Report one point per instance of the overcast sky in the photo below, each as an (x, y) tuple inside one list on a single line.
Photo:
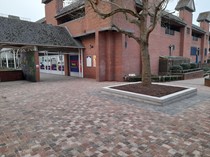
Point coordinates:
[(200, 5), (34, 9), (29, 9)]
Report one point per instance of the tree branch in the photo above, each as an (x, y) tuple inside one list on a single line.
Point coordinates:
[(118, 10), (129, 34), (157, 11)]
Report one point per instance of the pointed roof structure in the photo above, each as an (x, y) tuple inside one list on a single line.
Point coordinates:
[(205, 16), (46, 1), (186, 4), (138, 2), (18, 33)]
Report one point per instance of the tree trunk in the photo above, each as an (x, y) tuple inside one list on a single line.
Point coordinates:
[(144, 44), (146, 70)]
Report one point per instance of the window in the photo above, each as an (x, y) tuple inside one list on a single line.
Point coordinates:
[(169, 31), (193, 51), (188, 30), (195, 36), (72, 16), (205, 52)]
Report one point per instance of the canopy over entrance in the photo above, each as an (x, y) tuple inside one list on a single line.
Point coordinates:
[(34, 37), (16, 33)]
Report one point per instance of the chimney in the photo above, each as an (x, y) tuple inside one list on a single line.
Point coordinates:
[(204, 19), (52, 7)]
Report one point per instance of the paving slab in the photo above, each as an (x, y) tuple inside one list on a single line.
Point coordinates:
[(70, 117)]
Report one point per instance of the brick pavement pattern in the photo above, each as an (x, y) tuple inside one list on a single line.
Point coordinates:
[(68, 117)]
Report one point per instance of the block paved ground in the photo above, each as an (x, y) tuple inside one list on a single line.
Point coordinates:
[(65, 117)]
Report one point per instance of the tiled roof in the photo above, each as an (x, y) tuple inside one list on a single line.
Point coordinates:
[(138, 2), (187, 4), (74, 5), (172, 17), (205, 16), (166, 14), (198, 29), (18, 32), (46, 1), (42, 20)]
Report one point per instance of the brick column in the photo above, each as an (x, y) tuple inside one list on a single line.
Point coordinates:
[(66, 64), (204, 40), (36, 60), (30, 66), (100, 56), (110, 57), (186, 33)]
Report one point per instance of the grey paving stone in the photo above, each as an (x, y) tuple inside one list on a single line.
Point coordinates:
[(64, 116)]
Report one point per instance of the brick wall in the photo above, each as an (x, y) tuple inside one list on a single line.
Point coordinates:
[(131, 57), (207, 82), (186, 38), (116, 54), (157, 48), (76, 27), (89, 43), (11, 75), (94, 21), (50, 12), (193, 75)]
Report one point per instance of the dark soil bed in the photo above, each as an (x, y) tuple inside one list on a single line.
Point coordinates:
[(153, 90)]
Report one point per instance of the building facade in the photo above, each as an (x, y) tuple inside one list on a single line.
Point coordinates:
[(110, 55)]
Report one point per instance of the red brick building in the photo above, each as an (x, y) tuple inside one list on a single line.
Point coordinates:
[(110, 55)]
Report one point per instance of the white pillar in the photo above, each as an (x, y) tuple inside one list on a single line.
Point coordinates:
[(7, 60), (61, 57), (18, 59), (46, 67), (0, 60), (57, 59), (82, 58), (79, 63), (14, 57)]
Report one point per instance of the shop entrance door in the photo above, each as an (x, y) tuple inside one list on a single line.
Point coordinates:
[(74, 65)]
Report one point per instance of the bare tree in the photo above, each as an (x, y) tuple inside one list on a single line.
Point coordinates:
[(139, 18)]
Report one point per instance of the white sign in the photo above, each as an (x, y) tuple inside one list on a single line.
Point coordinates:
[(89, 61)]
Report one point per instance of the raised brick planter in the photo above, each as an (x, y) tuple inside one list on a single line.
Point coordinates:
[(13, 75), (193, 74), (164, 100), (207, 82)]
